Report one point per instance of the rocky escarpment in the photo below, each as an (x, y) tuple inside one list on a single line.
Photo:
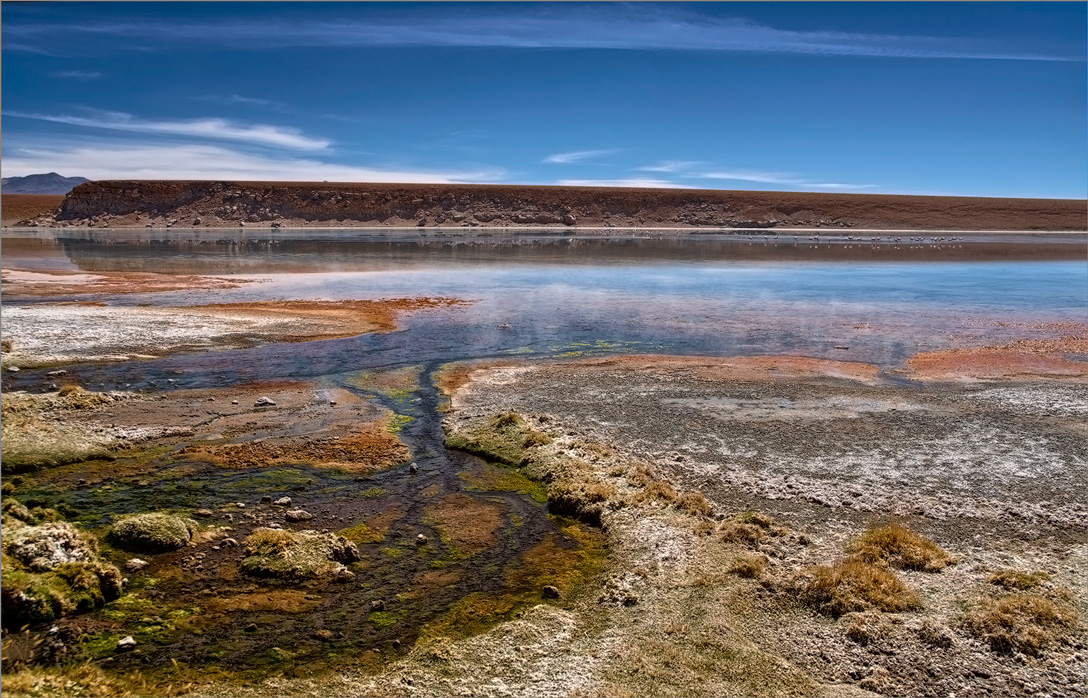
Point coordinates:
[(231, 204)]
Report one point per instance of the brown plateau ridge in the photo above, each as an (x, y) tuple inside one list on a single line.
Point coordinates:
[(216, 204)]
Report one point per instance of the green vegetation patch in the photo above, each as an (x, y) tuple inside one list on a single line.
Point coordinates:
[(503, 479), (504, 438), (152, 533), (35, 436), (49, 571)]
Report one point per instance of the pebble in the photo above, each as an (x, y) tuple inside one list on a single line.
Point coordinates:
[(421, 539), (324, 635), (283, 502), (550, 592), (126, 644), (298, 515), (266, 499), (234, 402), (413, 468), (205, 513), (229, 543), (13, 369), (377, 605), (264, 402), (136, 564)]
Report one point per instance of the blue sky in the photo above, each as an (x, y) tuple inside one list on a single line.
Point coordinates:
[(975, 99)]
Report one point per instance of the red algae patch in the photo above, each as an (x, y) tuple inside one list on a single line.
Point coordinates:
[(337, 318), (737, 368), (63, 283), (370, 448), (465, 523), (1024, 358)]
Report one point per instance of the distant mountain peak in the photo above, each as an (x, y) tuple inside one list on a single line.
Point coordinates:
[(50, 183)]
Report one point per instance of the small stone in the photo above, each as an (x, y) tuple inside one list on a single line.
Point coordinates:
[(58, 372), (550, 592), (264, 402), (251, 628), (234, 402), (324, 635), (421, 539), (240, 505), (298, 515), (377, 605), (204, 513), (136, 564), (228, 543), (283, 502), (345, 575), (266, 499), (413, 468), (211, 399), (13, 369), (126, 644), (396, 644)]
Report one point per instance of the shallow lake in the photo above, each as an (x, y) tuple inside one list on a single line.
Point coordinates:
[(553, 294)]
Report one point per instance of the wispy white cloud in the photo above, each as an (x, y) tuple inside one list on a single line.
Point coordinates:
[(671, 166), (776, 178), (213, 128), (636, 26), (156, 161), (77, 74), (629, 182), (577, 156), (248, 101)]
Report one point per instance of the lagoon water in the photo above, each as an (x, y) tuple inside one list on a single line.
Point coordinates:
[(550, 294)]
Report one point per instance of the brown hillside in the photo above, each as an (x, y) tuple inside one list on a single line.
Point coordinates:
[(230, 204), (20, 207)]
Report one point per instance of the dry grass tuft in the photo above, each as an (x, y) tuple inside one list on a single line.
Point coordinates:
[(899, 547), (851, 585), (82, 681), (694, 503), (745, 534), (296, 554), (1027, 623), (867, 628), (1015, 580), (748, 565)]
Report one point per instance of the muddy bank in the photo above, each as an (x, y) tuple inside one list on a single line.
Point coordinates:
[(708, 589), (136, 203), (47, 334)]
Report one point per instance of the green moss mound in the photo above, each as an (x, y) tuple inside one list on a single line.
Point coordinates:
[(49, 571), (151, 533), (504, 438)]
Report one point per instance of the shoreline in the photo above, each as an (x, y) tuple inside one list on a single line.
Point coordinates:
[(694, 230)]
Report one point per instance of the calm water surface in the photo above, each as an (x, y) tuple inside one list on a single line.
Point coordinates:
[(552, 294)]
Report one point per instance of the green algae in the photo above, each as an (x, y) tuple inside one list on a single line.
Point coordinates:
[(504, 438)]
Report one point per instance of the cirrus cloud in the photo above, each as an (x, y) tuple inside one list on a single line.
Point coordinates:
[(214, 128)]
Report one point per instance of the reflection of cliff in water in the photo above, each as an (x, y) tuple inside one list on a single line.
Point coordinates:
[(303, 251)]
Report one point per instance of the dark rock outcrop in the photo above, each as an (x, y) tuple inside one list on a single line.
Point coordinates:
[(274, 204)]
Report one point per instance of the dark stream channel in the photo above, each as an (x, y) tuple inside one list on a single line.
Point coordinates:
[(532, 296)]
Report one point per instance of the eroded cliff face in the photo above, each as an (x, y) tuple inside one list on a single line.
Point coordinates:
[(134, 203)]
